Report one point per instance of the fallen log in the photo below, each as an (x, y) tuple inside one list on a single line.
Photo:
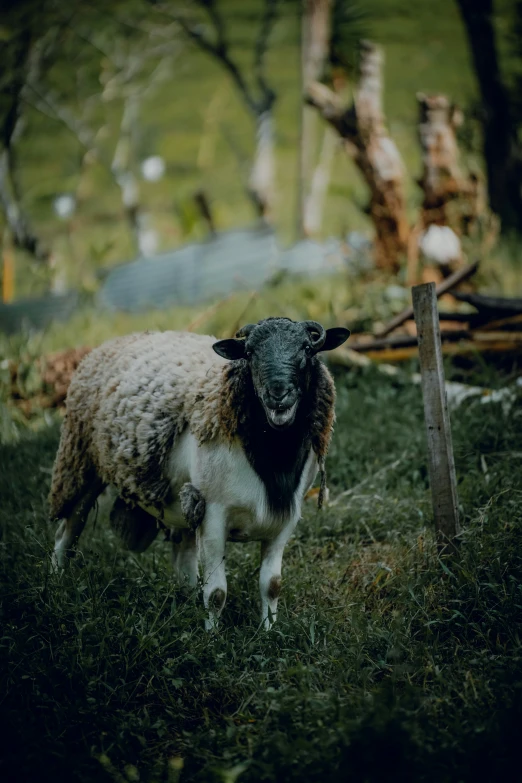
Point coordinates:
[(443, 287), (496, 305), (404, 341), (512, 322)]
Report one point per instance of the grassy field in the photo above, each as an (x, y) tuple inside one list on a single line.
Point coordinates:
[(386, 662)]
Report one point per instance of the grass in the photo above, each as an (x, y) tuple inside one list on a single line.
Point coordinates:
[(386, 661)]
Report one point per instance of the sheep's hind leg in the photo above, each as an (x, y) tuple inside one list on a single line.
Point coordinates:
[(184, 543), (70, 529)]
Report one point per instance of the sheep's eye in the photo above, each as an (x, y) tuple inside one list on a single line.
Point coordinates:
[(248, 355), (308, 350)]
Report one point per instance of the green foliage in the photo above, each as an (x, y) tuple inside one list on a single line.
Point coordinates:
[(351, 22), (386, 662)]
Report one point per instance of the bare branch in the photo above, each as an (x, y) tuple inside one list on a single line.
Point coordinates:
[(218, 49), (50, 104), (261, 48)]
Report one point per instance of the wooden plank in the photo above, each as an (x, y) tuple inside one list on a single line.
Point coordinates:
[(512, 320), (405, 341), (440, 449), (450, 282), (462, 348)]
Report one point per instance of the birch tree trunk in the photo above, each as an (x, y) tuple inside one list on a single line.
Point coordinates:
[(315, 34), (261, 182), (314, 204), (127, 181), (363, 130)]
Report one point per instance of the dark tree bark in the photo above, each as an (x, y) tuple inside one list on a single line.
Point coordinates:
[(501, 150)]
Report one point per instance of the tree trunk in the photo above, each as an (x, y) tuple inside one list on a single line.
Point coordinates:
[(144, 237), (23, 235), (501, 150), (314, 204), (380, 162), (315, 35), (442, 181), (362, 127), (261, 183)]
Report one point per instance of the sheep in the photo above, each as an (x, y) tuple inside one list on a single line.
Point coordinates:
[(217, 440)]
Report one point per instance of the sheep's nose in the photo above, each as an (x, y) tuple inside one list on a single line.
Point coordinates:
[(279, 393)]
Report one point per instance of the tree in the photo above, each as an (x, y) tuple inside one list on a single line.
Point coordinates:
[(362, 128), (120, 57), (258, 98), (315, 38), (502, 150), (31, 33)]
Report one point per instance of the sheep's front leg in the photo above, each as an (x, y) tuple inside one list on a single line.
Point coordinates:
[(270, 575), (212, 541)]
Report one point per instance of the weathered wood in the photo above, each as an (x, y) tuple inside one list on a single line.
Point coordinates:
[(406, 341), (440, 449), (467, 348), (442, 181), (366, 139), (446, 285), (497, 305), (512, 321)]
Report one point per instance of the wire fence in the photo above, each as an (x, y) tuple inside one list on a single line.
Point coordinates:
[(227, 262)]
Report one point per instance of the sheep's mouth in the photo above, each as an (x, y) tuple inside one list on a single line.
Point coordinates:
[(281, 418)]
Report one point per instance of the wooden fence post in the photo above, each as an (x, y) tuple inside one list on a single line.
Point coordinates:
[(440, 449)]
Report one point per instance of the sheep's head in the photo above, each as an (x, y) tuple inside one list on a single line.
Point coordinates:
[(280, 354)]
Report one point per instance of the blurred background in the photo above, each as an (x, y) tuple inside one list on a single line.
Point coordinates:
[(191, 165)]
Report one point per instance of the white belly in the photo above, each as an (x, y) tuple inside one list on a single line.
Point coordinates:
[(224, 475)]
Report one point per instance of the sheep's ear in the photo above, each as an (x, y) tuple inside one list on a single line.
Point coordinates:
[(334, 338), (230, 349)]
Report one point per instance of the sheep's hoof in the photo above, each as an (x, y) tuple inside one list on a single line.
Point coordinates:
[(192, 505)]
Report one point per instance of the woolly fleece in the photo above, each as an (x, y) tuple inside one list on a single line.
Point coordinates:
[(133, 396)]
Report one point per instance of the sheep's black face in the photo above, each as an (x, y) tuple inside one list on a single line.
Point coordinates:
[(279, 353)]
